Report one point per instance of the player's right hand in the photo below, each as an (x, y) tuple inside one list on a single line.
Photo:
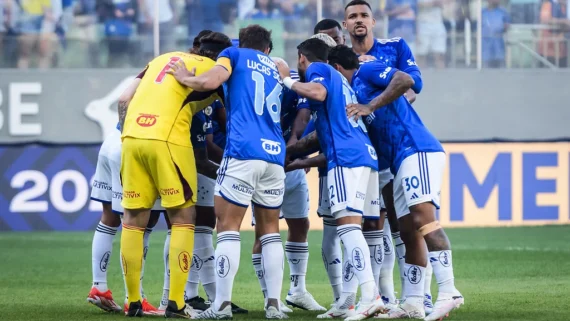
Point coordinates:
[(294, 165), (283, 68), (358, 110), (179, 71)]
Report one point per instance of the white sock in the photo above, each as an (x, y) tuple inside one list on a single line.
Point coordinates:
[(272, 257), (146, 242), (356, 247), (427, 280), (191, 288), (166, 284), (258, 267), (101, 250), (387, 271), (414, 282), (227, 263), (298, 258), (443, 270), (350, 283), (204, 249), (401, 255), (332, 256), (375, 241)]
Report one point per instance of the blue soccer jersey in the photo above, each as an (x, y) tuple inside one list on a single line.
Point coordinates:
[(396, 53), (219, 137), (344, 141), (253, 105), (395, 130), (291, 103), (200, 127)]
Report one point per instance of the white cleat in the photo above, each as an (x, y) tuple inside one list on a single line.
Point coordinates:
[(272, 313), (367, 310), (304, 301), (337, 313), (282, 307), (210, 314), (446, 302), (407, 309), (428, 305)]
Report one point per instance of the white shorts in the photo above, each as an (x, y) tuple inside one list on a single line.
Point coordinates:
[(107, 186), (418, 181), (324, 209), (243, 181), (206, 188), (354, 191), (431, 38), (296, 197)]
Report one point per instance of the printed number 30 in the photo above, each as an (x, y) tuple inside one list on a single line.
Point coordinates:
[(412, 182)]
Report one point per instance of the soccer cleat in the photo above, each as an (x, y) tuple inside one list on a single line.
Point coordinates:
[(282, 307), (337, 313), (428, 305), (446, 302), (272, 313), (210, 314), (407, 309), (186, 312), (149, 309), (103, 300), (367, 310), (304, 301), (135, 309), (198, 304), (238, 310)]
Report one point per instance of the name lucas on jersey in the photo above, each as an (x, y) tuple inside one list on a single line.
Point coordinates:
[(263, 68)]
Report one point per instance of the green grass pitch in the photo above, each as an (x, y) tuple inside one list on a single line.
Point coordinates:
[(504, 274)]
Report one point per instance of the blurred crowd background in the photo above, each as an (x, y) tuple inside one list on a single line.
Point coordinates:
[(442, 33)]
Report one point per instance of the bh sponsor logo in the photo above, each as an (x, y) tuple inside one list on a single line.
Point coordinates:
[(271, 147), (146, 120)]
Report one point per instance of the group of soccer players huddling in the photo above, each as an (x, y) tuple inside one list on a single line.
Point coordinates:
[(204, 134)]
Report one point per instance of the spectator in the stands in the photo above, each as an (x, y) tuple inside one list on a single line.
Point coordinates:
[(553, 44), (432, 36), (85, 30), (291, 12), (203, 14), (146, 15), (118, 17), (495, 25), (333, 10), (36, 25), (402, 20), (265, 9)]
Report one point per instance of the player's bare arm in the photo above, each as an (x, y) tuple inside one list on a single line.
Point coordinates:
[(303, 163), (399, 85), (309, 142), (215, 153), (312, 91), (205, 166), (208, 81), (125, 99), (299, 125)]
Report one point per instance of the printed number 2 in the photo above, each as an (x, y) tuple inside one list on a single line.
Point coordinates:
[(412, 182), (350, 98), (273, 100), (166, 67)]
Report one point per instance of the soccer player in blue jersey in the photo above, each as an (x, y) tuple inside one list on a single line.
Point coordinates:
[(352, 161), (417, 160), (395, 52), (252, 168)]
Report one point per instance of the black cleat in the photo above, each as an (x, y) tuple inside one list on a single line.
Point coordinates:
[(238, 310), (198, 304), (172, 311), (135, 309)]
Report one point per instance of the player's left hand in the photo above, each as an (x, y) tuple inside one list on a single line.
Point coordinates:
[(358, 110), (365, 58), (179, 71), (294, 165), (410, 95)]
